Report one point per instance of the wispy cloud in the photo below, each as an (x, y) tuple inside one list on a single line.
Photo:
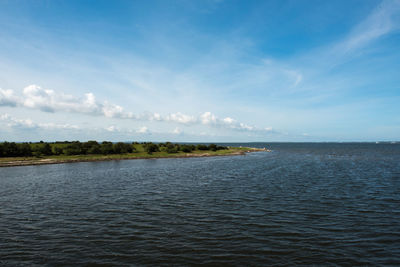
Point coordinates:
[(28, 123), (383, 20)]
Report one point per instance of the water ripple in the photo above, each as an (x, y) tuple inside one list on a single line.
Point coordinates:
[(302, 204)]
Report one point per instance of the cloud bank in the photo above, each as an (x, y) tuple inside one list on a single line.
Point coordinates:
[(29, 124), (35, 97)]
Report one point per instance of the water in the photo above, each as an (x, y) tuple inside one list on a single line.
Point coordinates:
[(304, 204)]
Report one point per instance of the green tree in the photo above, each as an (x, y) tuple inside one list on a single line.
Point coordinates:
[(172, 149), (57, 150), (106, 148), (122, 148), (24, 150), (10, 149), (212, 147), (74, 148), (46, 149), (96, 149), (150, 148), (88, 147), (186, 148), (202, 147)]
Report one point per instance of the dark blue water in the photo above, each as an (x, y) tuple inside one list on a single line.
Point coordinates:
[(304, 204)]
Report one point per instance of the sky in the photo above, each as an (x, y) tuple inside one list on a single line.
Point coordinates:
[(200, 71)]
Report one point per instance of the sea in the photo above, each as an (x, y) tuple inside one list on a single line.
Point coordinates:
[(302, 204)]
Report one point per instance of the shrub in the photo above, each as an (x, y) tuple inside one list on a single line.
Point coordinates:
[(24, 150), (212, 147), (172, 149), (202, 147), (122, 148), (94, 149), (46, 149), (186, 148), (57, 150)]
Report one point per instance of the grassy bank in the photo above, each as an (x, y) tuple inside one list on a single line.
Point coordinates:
[(140, 153)]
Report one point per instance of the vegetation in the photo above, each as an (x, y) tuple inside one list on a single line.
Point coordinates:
[(22, 154), (41, 149)]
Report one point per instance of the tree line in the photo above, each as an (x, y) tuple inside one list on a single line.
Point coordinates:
[(12, 149), (175, 148)]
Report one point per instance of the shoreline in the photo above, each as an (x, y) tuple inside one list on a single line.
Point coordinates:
[(31, 161)]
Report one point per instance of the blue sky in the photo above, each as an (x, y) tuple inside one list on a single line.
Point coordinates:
[(200, 70)]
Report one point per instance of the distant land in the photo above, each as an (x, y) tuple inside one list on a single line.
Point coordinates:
[(23, 154)]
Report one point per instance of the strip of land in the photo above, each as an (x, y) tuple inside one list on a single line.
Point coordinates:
[(57, 159)]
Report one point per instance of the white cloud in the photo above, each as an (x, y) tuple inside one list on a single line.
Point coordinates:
[(115, 111), (13, 122), (7, 98), (68, 131), (21, 123), (148, 116), (112, 128), (35, 97), (58, 126), (48, 100), (28, 123), (143, 130), (243, 126), (180, 118), (208, 118), (228, 120), (177, 130)]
